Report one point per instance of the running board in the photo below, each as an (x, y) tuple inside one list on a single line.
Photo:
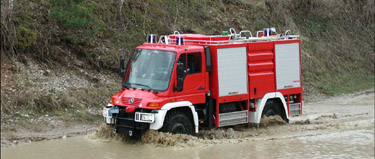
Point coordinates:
[(233, 118), (294, 109)]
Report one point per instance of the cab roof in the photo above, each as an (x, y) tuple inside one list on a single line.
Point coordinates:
[(169, 47)]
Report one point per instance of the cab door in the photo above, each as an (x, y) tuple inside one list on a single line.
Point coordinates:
[(194, 86)]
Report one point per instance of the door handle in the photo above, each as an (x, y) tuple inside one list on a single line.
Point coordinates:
[(201, 88), (255, 91)]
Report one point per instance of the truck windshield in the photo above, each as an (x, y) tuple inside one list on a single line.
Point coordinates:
[(150, 69)]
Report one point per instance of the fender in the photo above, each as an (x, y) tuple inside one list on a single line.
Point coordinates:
[(256, 116), (160, 114)]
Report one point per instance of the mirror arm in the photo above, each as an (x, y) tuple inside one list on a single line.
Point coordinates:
[(122, 64)]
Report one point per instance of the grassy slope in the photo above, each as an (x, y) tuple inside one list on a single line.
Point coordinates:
[(337, 39)]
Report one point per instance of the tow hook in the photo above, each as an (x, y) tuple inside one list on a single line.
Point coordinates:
[(130, 133)]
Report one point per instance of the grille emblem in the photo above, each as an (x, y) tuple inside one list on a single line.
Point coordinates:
[(131, 101)]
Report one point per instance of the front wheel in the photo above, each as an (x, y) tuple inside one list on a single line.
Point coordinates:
[(177, 123)]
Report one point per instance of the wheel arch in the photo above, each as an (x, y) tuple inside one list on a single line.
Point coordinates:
[(283, 107), (255, 117), (183, 106)]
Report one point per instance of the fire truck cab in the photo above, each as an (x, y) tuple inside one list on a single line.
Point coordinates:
[(184, 82)]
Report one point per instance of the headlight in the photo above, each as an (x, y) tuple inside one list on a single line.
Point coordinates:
[(105, 112), (147, 117), (144, 117)]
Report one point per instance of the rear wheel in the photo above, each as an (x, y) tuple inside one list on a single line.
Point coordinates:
[(273, 108), (177, 122)]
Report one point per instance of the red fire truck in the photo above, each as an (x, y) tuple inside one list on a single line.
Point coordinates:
[(185, 82)]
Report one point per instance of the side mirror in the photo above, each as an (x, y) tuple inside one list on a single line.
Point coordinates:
[(122, 66), (180, 76), (208, 59)]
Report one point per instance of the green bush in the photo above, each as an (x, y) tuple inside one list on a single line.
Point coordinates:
[(76, 16), (25, 37)]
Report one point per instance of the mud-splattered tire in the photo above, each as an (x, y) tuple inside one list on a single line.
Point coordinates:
[(177, 123), (273, 108)]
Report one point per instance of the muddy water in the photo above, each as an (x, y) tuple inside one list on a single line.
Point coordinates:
[(337, 128)]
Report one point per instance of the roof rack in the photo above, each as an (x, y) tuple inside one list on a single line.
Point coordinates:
[(244, 36)]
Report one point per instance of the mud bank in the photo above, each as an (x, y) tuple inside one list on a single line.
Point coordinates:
[(40, 132)]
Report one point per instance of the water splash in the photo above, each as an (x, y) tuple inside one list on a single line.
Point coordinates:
[(271, 120), (212, 136)]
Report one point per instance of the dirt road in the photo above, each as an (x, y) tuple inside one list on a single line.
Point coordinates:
[(340, 127)]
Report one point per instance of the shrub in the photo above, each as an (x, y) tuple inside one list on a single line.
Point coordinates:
[(76, 16)]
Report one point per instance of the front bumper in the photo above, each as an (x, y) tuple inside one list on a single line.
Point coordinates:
[(131, 124)]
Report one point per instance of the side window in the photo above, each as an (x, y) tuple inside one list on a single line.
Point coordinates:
[(194, 63), (182, 59)]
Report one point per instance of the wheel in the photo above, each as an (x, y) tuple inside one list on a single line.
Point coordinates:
[(273, 108), (177, 123)]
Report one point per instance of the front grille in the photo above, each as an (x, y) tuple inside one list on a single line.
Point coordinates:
[(125, 123), (125, 119), (136, 101)]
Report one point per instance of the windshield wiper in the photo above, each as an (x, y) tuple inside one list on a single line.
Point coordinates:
[(125, 85), (140, 85)]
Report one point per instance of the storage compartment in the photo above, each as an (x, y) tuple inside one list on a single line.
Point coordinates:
[(287, 66), (232, 71)]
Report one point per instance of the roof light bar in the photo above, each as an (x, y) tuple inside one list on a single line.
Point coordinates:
[(179, 40), (151, 38)]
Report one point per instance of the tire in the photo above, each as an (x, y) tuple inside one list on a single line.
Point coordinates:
[(177, 123), (273, 108)]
